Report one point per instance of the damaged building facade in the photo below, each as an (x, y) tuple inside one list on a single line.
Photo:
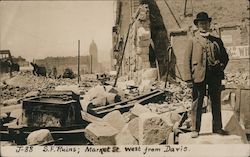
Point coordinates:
[(140, 107), (160, 28), (152, 34)]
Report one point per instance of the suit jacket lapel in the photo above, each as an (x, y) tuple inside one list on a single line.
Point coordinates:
[(201, 40)]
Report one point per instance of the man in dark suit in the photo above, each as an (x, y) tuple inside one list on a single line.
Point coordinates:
[(204, 64)]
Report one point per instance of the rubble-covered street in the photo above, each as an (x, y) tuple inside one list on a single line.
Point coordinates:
[(141, 77), (129, 114)]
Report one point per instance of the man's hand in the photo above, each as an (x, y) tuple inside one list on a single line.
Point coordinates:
[(189, 84)]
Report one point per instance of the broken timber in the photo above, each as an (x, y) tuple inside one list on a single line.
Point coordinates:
[(124, 106)]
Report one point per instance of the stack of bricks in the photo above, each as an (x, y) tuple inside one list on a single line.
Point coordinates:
[(143, 38), (137, 49)]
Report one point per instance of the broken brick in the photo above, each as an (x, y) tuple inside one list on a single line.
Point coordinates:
[(152, 129), (115, 119), (101, 133), (138, 109), (125, 137)]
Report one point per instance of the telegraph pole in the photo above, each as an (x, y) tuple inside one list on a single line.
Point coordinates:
[(91, 64), (78, 62)]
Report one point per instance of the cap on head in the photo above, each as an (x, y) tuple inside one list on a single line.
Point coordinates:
[(202, 16)]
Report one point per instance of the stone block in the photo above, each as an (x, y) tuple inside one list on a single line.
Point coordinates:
[(128, 116), (229, 123), (3, 115), (149, 74), (144, 24), (95, 92), (170, 118), (210, 139), (31, 94), (99, 101), (142, 50), (145, 86), (144, 57), (17, 113), (115, 119), (116, 91), (73, 88), (133, 127), (143, 16), (143, 43), (101, 133), (39, 137), (138, 109), (152, 129), (145, 65), (111, 97), (125, 137), (171, 139), (9, 102), (143, 34)]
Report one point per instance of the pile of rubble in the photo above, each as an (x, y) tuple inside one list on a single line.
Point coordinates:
[(152, 123), (237, 79), (138, 126), (149, 124), (23, 83), (144, 112)]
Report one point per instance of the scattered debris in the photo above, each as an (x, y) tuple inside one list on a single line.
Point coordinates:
[(132, 113)]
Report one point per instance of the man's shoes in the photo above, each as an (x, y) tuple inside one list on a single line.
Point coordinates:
[(194, 134), (221, 132)]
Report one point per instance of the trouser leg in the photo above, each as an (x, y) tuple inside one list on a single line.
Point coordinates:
[(196, 111), (215, 97)]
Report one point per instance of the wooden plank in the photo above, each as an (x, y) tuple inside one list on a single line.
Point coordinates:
[(126, 101), (132, 104)]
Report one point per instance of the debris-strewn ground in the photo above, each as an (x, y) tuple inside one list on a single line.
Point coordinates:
[(237, 79), (24, 82), (158, 121)]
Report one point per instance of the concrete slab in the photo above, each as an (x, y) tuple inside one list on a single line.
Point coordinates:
[(101, 133)]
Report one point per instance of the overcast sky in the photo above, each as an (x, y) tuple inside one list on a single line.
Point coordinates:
[(52, 28)]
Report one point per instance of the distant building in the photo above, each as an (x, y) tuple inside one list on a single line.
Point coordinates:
[(20, 61), (93, 51), (61, 63)]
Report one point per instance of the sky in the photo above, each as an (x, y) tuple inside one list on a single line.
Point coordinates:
[(38, 29)]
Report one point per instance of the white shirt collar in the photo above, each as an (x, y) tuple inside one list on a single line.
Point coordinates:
[(205, 34)]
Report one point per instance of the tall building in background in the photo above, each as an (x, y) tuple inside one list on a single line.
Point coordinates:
[(93, 51)]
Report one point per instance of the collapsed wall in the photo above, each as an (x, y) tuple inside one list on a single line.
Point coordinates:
[(147, 42), (172, 22)]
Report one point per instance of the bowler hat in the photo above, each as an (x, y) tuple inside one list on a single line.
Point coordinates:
[(202, 16)]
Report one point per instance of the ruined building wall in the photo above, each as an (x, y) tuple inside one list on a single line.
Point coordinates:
[(147, 42), (230, 21), (136, 55)]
